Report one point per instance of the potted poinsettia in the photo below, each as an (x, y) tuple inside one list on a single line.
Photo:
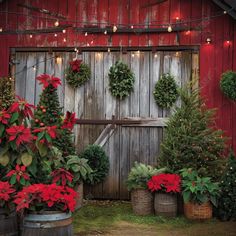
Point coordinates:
[(165, 187)]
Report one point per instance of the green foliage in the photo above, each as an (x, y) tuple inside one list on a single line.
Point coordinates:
[(77, 79), (80, 169), (227, 201), (191, 139), (98, 161), (198, 189), (228, 84), (6, 93), (49, 113), (140, 174), (165, 92), (121, 80)]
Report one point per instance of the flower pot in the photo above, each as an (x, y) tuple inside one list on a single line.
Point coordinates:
[(8, 223), (79, 198), (48, 223), (195, 211), (142, 202), (165, 204)]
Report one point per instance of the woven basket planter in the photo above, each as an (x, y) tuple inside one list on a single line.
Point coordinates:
[(194, 211), (142, 202), (165, 204)]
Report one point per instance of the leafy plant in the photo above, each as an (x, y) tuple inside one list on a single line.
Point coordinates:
[(121, 80), (77, 73), (80, 169), (165, 92), (228, 84), (98, 161), (140, 174), (198, 189), (6, 93)]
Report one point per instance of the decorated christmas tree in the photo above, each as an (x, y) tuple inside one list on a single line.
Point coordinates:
[(227, 201), (191, 139), (6, 93), (49, 113)]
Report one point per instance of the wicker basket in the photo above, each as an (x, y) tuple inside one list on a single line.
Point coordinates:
[(195, 211), (165, 204), (142, 202)]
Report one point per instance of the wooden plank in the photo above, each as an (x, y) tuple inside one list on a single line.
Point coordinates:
[(105, 135), (30, 78), (21, 69)]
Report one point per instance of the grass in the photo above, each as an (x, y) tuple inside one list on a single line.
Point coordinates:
[(99, 217)]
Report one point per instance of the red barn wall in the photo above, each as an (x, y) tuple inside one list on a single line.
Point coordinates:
[(214, 58)]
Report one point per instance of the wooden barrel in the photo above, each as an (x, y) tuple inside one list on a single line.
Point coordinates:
[(142, 202), (8, 223), (165, 204), (52, 223)]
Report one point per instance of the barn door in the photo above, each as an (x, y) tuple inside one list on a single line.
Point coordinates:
[(128, 143)]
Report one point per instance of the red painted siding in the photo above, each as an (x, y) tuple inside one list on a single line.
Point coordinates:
[(214, 58)]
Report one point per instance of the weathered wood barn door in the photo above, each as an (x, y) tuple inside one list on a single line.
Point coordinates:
[(94, 101)]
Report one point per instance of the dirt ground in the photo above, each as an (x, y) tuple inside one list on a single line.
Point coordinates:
[(130, 229)]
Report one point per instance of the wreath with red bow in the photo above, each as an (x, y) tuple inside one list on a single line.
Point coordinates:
[(77, 73)]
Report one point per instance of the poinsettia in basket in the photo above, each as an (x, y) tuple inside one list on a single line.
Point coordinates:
[(77, 73), (165, 186)]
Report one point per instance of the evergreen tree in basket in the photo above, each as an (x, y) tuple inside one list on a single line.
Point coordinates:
[(49, 113), (227, 201), (191, 139)]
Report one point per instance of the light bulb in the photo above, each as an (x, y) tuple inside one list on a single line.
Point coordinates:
[(64, 40), (105, 32), (108, 50), (56, 23), (31, 36), (114, 28), (169, 29), (131, 26), (86, 34), (0, 29), (55, 35), (208, 40), (63, 31)]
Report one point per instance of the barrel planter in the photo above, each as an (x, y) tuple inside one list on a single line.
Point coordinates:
[(48, 223), (195, 211), (8, 223), (165, 204), (79, 199), (142, 202)]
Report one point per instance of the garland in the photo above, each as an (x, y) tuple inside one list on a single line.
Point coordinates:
[(165, 92), (228, 84), (77, 73), (121, 80)]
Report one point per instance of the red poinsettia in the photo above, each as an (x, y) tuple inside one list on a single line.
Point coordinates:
[(23, 107), (47, 80), (75, 65), (20, 134), (69, 121), (46, 197), (165, 182), (61, 176), (6, 191), (50, 130), (19, 175), (4, 117)]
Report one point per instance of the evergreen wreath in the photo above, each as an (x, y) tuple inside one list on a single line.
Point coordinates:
[(165, 92), (77, 73), (121, 80), (228, 84), (98, 161)]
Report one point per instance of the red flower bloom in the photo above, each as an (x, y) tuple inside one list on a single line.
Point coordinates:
[(52, 197), (165, 182), (75, 65), (23, 107), (20, 134), (4, 117), (69, 121), (6, 191), (51, 130), (62, 176), (19, 172), (47, 80)]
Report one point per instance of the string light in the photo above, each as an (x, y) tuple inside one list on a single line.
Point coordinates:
[(0, 29), (64, 40), (31, 36), (208, 40), (225, 12), (56, 23), (34, 67), (132, 54), (177, 18), (109, 50), (169, 29), (63, 31), (58, 60), (131, 26), (228, 42), (188, 32), (114, 29), (105, 32), (55, 35), (75, 49), (87, 44), (155, 55), (86, 34), (91, 42)]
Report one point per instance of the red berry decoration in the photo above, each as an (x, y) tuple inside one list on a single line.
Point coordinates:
[(41, 107), (41, 124), (36, 120), (44, 110)]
